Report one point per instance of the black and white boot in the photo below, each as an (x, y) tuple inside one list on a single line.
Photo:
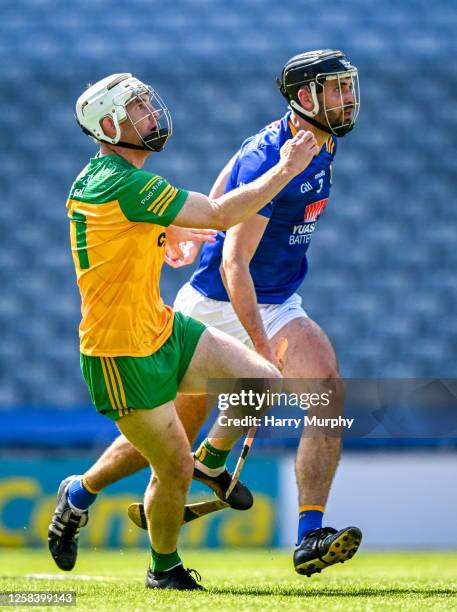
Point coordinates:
[(64, 528)]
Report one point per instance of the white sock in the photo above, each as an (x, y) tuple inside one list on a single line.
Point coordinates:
[(75, 509), (213, 472), (172, 568)]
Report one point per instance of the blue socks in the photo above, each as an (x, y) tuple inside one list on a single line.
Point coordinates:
[(309, 518), (79, 495)]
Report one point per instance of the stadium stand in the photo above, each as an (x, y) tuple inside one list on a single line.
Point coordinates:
[(383, 260)]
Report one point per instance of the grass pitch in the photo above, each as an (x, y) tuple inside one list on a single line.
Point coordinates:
[(242, 580)]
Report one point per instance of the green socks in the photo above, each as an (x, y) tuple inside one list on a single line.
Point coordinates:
[(163, 562), (210, 460)]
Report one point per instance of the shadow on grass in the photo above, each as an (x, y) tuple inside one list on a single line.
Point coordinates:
[(323, 592)]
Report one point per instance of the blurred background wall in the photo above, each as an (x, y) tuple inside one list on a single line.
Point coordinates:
[(382, 280)]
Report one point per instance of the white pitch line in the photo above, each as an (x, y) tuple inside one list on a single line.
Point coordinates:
[(70, 577)]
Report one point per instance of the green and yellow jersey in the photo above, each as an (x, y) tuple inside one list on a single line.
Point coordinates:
[(117, 217)]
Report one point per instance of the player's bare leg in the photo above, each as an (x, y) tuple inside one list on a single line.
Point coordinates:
[(121, 459), (310, 355), (160, 437), (162, 443)]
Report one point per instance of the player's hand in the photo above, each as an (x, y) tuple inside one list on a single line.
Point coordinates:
[(276, 357), (183, 244), (182, 255), (266, 350), (297, 153)]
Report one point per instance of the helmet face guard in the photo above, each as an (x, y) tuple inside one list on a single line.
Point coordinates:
[(122, 97), (314, 70), (341, 125), (145, 104)]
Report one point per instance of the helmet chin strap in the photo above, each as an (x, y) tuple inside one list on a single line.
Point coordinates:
[(304, 115), (128, 145), (308, 115), (339, 132), (159, 145)]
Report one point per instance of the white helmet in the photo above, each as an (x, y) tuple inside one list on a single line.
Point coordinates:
[(109, 98)]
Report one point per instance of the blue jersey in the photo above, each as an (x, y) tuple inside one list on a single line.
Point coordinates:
[(279, 264)]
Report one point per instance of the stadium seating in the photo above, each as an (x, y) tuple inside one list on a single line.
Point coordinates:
[(383, 259)]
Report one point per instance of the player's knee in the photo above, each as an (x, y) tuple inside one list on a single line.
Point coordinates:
[(185, 472), (326, 370), (329, 376), (178, 472), (331, 372), (186, 468), (272, 380), (333, 382)]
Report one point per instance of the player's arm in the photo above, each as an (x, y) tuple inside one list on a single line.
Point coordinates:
[(238, 205), (240, 244)]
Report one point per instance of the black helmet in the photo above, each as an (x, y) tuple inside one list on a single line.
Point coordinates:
[(311, 70)]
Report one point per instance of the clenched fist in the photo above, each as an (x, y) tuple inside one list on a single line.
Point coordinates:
[(297, 153)]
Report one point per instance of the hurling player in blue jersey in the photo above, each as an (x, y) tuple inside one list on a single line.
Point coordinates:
[(247, 279), (246, 285)]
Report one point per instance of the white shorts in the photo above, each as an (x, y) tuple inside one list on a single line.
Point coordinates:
[(221, 315)]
